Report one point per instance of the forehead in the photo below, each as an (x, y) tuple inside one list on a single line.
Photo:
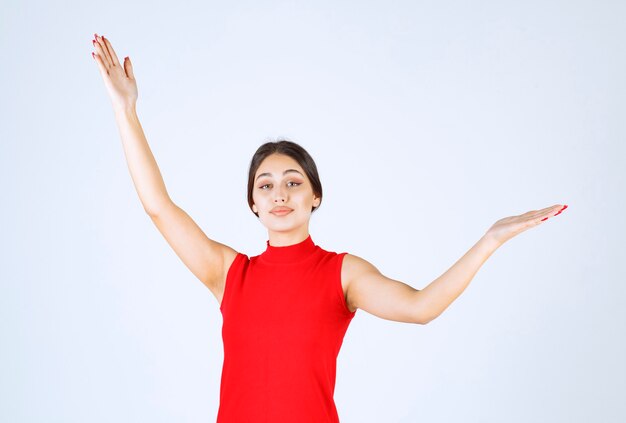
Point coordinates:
[(277, 164)]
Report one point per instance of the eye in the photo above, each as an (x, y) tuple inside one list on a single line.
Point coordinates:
[(295, 184)]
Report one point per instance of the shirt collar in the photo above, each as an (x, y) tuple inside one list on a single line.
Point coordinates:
[(290, 253)]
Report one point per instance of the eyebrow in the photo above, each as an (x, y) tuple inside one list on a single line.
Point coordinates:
[(284, 173)]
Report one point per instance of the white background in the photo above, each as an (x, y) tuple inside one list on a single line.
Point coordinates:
[(428, 121)]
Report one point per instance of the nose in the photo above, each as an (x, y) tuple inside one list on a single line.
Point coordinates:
[(280, 195)]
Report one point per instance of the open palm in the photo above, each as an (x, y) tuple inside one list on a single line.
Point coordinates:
[(506, 228), (119, 80)]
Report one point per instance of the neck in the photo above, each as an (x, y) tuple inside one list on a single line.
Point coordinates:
[(296, 253), (283, 239)]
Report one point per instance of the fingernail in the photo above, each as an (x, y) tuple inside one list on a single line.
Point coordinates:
[(545, 219), (93, 55)]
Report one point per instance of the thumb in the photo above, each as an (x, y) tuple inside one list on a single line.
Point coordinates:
[(128, 67)]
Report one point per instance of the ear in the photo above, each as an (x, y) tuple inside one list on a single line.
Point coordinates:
[(254, 209)]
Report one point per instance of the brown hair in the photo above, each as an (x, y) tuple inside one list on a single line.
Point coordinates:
[(293, 150)]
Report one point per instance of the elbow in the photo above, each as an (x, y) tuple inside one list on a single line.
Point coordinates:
[(422, 314), (155, 210), (423, 318), (422, 321)]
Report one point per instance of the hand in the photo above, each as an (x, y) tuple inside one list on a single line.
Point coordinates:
[(118, 80), (507, 228)]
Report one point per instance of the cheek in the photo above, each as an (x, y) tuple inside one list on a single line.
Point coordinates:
[(260, 199), (304, 195)]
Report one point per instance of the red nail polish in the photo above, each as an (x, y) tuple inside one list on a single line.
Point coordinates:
[(544, 219), (93, 55), (560, 211)]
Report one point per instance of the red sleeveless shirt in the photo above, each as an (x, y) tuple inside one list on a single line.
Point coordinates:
[(284, 320)]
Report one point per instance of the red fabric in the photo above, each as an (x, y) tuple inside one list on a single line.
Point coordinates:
[(284, 319)]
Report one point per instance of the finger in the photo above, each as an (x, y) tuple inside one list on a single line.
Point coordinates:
[(544, 211), (99, 50), (106, 57), (128, 67), (100, 53), (558, 209), (103, 70), (111, 52), (552, 209)]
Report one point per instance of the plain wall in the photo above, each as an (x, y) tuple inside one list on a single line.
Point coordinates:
[(428, 121)]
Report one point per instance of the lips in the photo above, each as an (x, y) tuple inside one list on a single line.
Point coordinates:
[(281, 210)]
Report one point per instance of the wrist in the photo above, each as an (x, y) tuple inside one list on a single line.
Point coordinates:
[(125, 109), (489, 242)]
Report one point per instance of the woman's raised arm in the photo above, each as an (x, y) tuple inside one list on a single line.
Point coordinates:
[(121, 86), (208, 260)]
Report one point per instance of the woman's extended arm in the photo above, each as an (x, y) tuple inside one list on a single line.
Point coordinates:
[(440, 293), (389, 299), (122, 88)]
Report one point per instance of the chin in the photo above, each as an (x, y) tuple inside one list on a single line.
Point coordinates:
[(283, 223)]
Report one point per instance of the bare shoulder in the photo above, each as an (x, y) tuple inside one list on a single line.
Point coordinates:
[(351, 267)]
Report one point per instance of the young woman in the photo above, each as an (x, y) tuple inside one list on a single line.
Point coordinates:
[(285, 311)]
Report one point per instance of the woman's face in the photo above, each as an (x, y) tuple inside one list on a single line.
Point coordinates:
[(281, 182)]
